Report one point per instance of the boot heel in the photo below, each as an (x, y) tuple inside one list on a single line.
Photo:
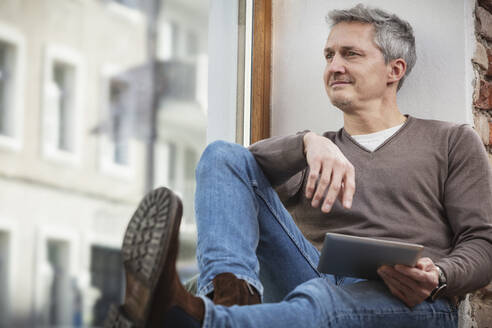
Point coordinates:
[(117, 319)]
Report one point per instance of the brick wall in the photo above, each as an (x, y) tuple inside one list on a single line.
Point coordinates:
[(480, 310)]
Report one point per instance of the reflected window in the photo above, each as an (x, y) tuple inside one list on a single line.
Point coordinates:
[(119, 121), (191, 43), (128, 3), (191, 159), (60, 111), (174, 39), (172, 161), (107, 277), (4, 283), (7, 53), (60, 293)]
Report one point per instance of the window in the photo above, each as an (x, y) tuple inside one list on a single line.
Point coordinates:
[(107, 277), (62, 104), (61, 92), (6, 67), (128, 3), (60, 294), (11, 73), (4, 273), (172, 159), (191, 160), (119, 121), (191, 43), (117, 138)]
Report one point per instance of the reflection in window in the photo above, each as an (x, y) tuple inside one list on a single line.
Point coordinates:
[(6, 66), (4, 261), (191, 43), (60, 290), (174, 39), (119, 121), (61, 108), (107, 277), (171, 167), (128, 3), (191, 160)]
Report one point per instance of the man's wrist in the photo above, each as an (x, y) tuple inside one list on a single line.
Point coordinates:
[(441, 285), (306, 141)]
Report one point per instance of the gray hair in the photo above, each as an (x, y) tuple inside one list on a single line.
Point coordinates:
[(392, 35)]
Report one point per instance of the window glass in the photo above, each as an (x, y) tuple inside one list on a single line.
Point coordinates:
[(62, 93), (4, 266), (119, 121), (59, 296), (6, 54), (114, 99)]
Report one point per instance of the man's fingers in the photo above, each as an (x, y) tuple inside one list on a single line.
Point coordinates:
[(413, 273), (323, 183), (348, 187), (399, 290), (334, 189), (312, 178)]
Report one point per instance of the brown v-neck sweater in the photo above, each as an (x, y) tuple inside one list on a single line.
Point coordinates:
[(430, 183)]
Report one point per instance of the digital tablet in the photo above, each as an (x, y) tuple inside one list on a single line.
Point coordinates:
[(360, 257)]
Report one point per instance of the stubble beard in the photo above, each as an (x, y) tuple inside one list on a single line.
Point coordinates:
[(343, 103)]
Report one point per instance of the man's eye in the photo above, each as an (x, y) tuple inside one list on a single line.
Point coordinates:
[(328, 56), (351, 53)]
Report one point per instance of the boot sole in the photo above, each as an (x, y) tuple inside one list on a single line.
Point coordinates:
[(146, 246)]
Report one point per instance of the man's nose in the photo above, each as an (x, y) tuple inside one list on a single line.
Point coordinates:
[(337, 64)]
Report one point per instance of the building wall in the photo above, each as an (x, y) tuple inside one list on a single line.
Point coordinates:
[(479, 313)]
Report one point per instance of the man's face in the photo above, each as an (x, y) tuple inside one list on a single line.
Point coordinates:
[(355, 70)]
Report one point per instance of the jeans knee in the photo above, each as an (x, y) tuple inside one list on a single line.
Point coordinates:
[(220, 153)]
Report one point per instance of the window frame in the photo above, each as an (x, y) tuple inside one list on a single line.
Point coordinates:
[(13, 36), (67, 56), (261, 70)]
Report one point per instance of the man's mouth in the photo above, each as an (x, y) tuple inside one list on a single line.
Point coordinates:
[(335, 83)]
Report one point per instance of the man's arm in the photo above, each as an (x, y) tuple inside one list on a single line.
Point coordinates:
[(331, 175), (280, 158), (468, 204)]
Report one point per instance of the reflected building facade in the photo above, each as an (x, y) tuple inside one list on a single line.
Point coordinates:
[(73, 146)]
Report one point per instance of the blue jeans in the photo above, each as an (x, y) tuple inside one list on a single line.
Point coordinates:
[(243, 228)]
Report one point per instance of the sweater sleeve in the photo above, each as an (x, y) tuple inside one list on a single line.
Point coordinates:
[(280, 158), (468, 206)]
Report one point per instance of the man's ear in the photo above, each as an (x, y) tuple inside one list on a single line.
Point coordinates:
[(397, 69)]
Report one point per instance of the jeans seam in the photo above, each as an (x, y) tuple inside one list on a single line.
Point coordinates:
[(274, 213), (334, 316)]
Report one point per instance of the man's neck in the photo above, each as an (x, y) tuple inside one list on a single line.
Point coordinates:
[(372, 119)]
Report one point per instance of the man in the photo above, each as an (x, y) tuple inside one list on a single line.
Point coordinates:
[(396, 177)]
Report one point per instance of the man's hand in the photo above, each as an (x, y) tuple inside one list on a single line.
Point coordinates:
[(411, 285), (329, 167)]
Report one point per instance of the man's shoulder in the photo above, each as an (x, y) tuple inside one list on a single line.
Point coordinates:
[(454, 134), (437, 124), (447, 129)]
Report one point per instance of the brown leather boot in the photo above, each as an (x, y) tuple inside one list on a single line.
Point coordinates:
[(154, 296), (229, 290)]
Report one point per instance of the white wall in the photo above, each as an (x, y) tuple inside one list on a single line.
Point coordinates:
[(439, 86)]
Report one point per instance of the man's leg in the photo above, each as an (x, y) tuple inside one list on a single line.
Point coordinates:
[(154, 296), (242, 226), (320, 303)]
